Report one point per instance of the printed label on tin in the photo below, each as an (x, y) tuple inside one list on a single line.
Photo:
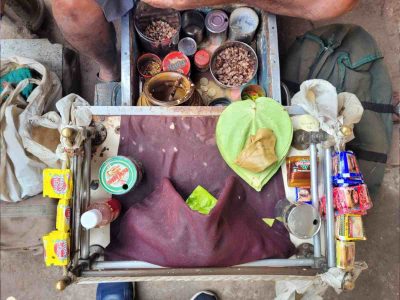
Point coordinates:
[(118, 175), (177, 64)]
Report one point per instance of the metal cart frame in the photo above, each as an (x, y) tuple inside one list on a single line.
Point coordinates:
[(85, 267)]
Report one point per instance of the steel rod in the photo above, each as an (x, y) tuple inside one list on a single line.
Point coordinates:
[(85, 234), (299, 262), (189, 274), (273, 65), (107, 265), (76, 204), (128, 264), (330, 218), (126, 48), (314, 194)]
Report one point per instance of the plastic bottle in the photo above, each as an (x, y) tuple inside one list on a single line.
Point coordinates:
[(100, 214)]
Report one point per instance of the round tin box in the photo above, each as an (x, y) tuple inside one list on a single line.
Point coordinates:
[(119, 174), (177, 62)]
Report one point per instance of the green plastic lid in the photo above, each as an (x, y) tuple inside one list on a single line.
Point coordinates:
[(118, 175)]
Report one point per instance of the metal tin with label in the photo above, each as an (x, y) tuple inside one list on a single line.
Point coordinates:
[(202, 60), (119, 174), (243, 24), (177, 62), (193, 25), (217, 26), (187, 46)]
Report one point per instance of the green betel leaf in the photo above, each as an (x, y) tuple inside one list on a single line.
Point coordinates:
[(242, 119), (201, 200)]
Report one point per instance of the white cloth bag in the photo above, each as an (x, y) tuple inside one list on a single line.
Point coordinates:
[(319, 98), (22, 159)]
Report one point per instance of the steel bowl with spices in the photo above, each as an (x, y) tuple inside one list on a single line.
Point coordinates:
[(233, 64)]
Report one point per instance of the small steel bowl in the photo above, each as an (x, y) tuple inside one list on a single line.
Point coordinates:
[(227, 45)]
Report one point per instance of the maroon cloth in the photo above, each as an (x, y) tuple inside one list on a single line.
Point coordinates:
[(183, 149), (163, 230)]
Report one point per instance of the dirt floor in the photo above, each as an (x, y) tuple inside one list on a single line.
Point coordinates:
[(23, 276)]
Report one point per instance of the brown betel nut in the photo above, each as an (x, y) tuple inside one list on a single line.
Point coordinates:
[(234, 66), (159, 30)]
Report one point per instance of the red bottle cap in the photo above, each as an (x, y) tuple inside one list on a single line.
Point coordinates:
[(201, 58), (176, 61)]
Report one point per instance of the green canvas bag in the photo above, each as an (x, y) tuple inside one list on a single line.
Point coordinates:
[(348, 57)]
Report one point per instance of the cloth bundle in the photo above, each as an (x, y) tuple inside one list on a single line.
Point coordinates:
[(159, 227), (163, 230)]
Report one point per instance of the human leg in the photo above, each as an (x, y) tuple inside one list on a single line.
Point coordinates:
[(83, 24)]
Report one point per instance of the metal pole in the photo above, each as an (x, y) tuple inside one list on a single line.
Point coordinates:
[(85, 237), (314, 195), (299, 262), (126, 49), (107, 265), (273, 64), (330, 217), (76, 204)]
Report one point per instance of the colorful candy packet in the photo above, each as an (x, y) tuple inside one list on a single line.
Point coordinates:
[(349, 228), (303, 195), (63, 218), (345, 255), (57, 183), (56, 248), (298, 171), (349, 200), (345, 169)]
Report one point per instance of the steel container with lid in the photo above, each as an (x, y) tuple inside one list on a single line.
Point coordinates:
[(300, 219), (187, 46), (243, 24), (217, 22), (193, 25)]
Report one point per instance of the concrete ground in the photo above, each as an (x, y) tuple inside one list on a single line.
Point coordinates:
[(23, 276)]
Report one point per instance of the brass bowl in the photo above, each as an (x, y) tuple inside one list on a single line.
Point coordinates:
[(158, 88)]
